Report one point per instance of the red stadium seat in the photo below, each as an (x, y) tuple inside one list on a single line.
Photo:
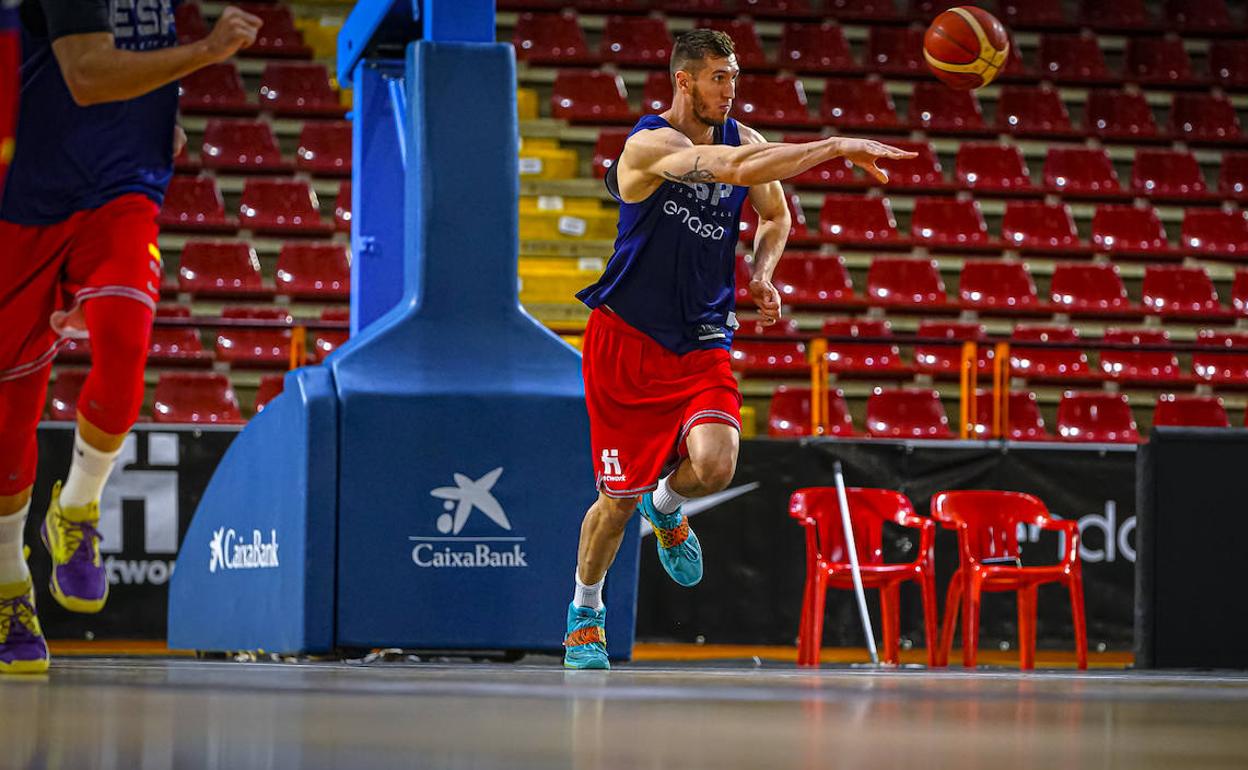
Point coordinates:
[(857, 219), (1228, 368), (607, 150), (948, 222), (785, 328), (1190, 411), (1239, 292), (193, 203), (1199, 16), (281, 206), (1080, 171), (858, 104), (1228, 62), (815, 48), (996, 285), (1121, 15), (320, 271), (1157, 60), (1125, 228), (241, 146), (1204, 118), (749, 49), (692, 7), (325, 148), (1039, 226), (1077, 287), (934, 107), (1167, 174), (1139, 365), (278, 38), (1032, 14), (923, 172), (189, 22), (1025, 423), (636, 41), (1179, 290), (865, 357), (262, 347), (1096, 417), (1215, 231), (812, 280), (781, 358), (63, 398), (299, 90), (183, 163), (1233, 176), (1046, 362), (271, 386), (837, 172), (772, 101), (1117, 114), (1032, 111), (798, 232), (74, 352), (328, 340), (220, 269), (776, 9), (789, 415), (1071, 58), (551, 38), (992, 167), (911, 413), (216, 89), (656, 95), (342, 209), (905, 281), (176, 345), (896, 51), (947, 359), (195, 397), (591, 97), (861, 10)]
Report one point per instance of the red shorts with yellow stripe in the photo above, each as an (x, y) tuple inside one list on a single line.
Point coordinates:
[(48, 271), (643, 400)]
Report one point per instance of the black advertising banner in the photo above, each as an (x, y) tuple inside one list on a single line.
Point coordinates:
[(754, 553)]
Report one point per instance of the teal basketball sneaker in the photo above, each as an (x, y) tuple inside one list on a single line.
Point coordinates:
[(679, 550), (585, 646)]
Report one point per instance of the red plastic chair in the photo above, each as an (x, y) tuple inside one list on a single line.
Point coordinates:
[(1158, 60), (923, 172), (342, 209), (194, 204), (910, 413), (934, 107), (1239, 292), (939, 360), (177, 345), (1215, 231), (1046, 362), (636, 41), (216, 89), (278, 37), (241, 146), (905, 281), (1227, 368), (327, 340), (828, 566), (995, 284), (948, 222), (782, 358), (789, 415), (1179, 290), (1198, 16), (63, 398), (325, 148), (815, 48), (1071, 58), (1204, 118), (861, 10), (1139, 365), (1121, 15), (1167, 174), (1096, 417), (1080, 171), (895, 51), (299, 90), (255, 347), (777, 9), (1118, 228), (656, 94), (221, 269), (1025, 423), (1036, 225), (1228, 62), (772, 101), (744, 36), (1032, 111), (1190, 411), (992, 167), (799, 234), (271, 386), (1032, 14), (281, 207), (813, 280), (552, 39), (591, 97), (875, 358), (857, 219), (1089, 288), (861, 104), (1233, 176), (317, 271), (607, 150), (195, 397), (1117, 114), (987, 523)]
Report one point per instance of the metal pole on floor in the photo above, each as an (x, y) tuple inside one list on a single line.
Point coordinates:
[(853, 564)]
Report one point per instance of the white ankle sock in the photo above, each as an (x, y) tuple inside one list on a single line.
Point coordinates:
[(666, 500), (87, 474), (12, 561), (588, 596)]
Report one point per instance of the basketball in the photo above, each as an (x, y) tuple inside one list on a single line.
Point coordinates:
[(966, 47)]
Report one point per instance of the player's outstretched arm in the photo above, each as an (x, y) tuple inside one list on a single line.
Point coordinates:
[(96, 71)]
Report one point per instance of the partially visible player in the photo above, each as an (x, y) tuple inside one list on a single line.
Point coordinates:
[(658, 384), (78, 258), (10, 54)]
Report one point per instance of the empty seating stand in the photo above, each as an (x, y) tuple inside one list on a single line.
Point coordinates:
[(1072, 58), (221, 269), (905, 282), (194, 204), (907, 413), (1025, 423), (299, 89), (1226, 368), (994, 168), (325, 148), (1158, 61), (281, 207), (551, 38), (278, 37), (1080, 172), (1033, 111), (1215, 231), (772, 101), (1139, 366), (1096, 417), (858, 104), (936, 108), (946, 360), (319, 271), (874, 359), (789, 415), (1039, 227), (1204, 118), (815, 49), (636, 41), (590, 97), (859, 220), (997, 286), (1090, 289), (1126, 229), (1047, 363), (950, 223), (813, 281), (1180, 291), (1190, 411), (216, 89), (241, 146), (195, 397), (1119, 115), (176, 345)]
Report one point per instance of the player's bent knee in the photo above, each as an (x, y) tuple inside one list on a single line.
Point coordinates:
[(617, 510), (715, 472)]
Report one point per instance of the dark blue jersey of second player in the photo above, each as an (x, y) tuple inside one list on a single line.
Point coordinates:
[(70, 158), (672, 275)]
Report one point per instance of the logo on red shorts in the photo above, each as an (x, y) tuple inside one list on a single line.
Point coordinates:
[(611, 470)]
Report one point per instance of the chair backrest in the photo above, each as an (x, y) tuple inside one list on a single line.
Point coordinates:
[(868, 510), (987, 520)]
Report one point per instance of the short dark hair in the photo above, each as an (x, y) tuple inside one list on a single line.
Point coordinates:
[(694, 46)]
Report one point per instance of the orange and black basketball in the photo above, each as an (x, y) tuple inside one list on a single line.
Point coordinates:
[(966, 47)]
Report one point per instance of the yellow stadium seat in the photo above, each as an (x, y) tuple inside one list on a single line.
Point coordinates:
[(548, 163), (321, 34), (526, 103), (551, 217)]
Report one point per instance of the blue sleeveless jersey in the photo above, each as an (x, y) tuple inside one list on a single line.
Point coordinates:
[(672, 274), (70, 158)]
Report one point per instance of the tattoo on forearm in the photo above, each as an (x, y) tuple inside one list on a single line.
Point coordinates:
[(694, 176)]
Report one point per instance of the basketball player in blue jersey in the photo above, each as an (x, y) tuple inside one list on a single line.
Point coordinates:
[(658, 384), (78, 258)]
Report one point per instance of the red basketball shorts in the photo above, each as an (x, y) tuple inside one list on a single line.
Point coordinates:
[(643, 400), (47, 271)]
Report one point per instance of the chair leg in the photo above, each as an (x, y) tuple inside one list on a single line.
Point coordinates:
[(817, 605), (1027, 627), (952, 600), (890, 616), (1081, 623), (803, 628), (970, 619), (927, 584)]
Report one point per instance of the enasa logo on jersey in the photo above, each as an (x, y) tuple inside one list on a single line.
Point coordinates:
[(455, 548), (228, 550), (706, 197)]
